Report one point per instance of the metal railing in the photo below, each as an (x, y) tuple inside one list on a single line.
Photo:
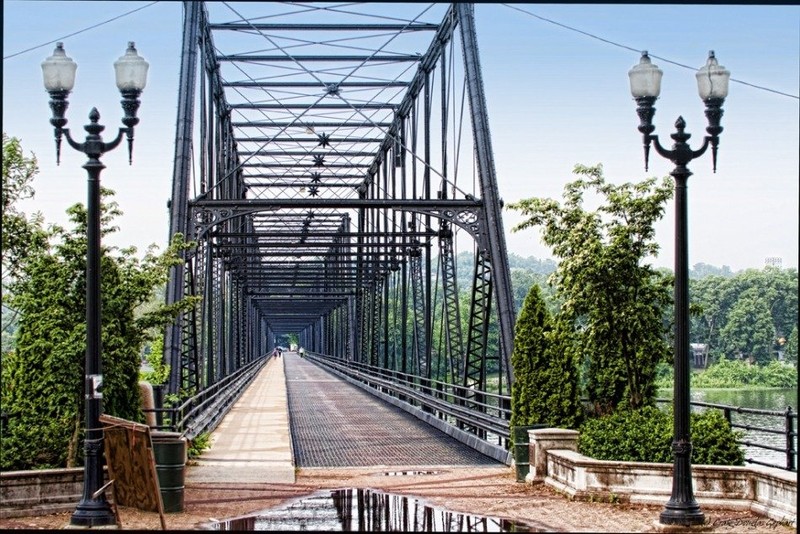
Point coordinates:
[(202, 412), (785, 427), (447, 402)]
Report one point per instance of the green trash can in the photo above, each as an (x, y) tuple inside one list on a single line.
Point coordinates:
[(169, 449), (522, 458)]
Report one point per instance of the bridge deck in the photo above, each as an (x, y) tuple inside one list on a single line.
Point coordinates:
[(333, 424)]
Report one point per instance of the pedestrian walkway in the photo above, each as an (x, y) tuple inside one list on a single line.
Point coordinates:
[(252, 443)]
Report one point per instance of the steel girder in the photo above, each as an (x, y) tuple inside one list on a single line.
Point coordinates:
[(333, 164)]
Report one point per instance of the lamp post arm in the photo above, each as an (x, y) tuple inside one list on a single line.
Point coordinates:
[(80, 147), (107, 147), (702, 150), (660, 150)]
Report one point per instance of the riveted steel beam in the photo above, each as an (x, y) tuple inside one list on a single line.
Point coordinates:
[(250, 26)]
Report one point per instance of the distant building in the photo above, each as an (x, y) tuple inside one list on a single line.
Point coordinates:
[(773, 261), (700, 354)]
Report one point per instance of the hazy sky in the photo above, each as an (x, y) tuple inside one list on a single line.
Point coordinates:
[(556, 97)]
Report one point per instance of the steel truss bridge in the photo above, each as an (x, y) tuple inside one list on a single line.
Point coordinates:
[(331, 162)]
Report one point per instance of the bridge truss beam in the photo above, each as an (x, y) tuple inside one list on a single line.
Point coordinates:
[(343, 175)]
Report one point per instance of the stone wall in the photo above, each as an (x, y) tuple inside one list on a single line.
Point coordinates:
[(40, 492), (556, 462)]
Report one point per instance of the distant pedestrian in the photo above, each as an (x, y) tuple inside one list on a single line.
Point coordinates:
[(275, 352), (302, 351)]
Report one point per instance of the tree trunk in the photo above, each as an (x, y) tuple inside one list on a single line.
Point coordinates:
[(72, 459)]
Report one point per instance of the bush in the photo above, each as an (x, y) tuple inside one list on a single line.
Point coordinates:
[(713, 440), (645, 435)]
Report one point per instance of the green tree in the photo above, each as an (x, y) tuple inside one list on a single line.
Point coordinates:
[(709, 307), (790, 350), (529, 361), (714, 297), (604, 282), (43, 379), (20, 234), (749, 330)]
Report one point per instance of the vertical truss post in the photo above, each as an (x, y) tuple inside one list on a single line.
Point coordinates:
[(181, 175), (488, 184), (478, 335), (190, 368), (452, 316), (418, 297)]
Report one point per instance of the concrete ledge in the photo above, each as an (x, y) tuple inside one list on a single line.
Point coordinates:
[(766, 491), (40, 492)]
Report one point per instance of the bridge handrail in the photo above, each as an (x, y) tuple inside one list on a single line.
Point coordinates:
[(201, 412), (407, 379), (487, 422), (451, 389)]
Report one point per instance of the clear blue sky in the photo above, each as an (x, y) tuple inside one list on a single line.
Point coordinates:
[(555, 98)]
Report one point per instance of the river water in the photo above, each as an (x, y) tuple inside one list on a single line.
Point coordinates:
[(762, 399)]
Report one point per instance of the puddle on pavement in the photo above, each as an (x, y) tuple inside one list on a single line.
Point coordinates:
[(365, 510)]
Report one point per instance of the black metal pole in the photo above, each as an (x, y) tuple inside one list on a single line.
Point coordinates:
[(682, 508), (93, 510)]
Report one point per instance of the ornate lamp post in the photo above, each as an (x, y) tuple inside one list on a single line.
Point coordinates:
[(712, 85), (59, 78)]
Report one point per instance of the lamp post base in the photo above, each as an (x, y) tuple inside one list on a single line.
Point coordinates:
[(685, 514), (94, 513)]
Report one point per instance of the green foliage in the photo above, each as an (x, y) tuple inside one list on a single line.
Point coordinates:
[(744, 315), (701, 270), (749, 330), (562, 393), (645, 435), (43, 379), (603, 284), (155, 359), (790, 349), (736, 374), (199, 444), (545, 389), (21, 236), (714, 441)]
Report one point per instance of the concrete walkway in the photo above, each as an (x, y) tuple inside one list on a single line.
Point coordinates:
[(252, 443)]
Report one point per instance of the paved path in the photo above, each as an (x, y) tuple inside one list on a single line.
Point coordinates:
[(336, 424), (252, 442), (333, 424)]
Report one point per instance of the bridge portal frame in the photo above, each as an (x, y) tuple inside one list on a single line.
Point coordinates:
[(376, 263)]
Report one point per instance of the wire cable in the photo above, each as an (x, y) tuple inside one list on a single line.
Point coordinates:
[(80, 31), (626, 47)]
